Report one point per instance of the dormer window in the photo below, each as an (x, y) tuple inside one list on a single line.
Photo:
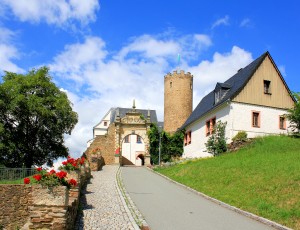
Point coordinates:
[(267, 87), (220, 91), (217, 96)]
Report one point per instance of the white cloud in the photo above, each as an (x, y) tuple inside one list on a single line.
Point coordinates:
[(107, 79), (57, 12), (223, 66), (246, 22), (222, 21), (8, 52)]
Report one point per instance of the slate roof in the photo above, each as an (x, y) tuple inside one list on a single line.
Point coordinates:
[(236, 84), (123, 111)]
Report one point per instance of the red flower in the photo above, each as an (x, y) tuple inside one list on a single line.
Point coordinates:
[(38, 177), (26, 180), (61, 174), (64, 162), (39, 169), (72, 182), (52, 171)]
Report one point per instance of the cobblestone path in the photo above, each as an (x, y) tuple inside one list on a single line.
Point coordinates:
[(102, 205)]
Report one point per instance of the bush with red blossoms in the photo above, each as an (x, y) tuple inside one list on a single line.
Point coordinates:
[(51, 178), (26, 180), (72, 164)]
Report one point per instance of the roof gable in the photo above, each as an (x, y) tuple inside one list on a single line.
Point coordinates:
[(235, 84)]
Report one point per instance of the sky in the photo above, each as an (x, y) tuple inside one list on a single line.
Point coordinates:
[(106, 53)]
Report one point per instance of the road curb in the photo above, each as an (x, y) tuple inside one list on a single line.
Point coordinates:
[(130, 207), (233, 208)]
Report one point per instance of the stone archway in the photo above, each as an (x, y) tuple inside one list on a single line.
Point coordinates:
[(131, 146), (140, 159), (135, 126)]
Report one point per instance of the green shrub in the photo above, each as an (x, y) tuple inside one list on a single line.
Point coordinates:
[(216, 143), (240, 136)]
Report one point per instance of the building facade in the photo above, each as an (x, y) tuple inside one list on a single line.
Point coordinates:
[(254, 100), (121, 136)]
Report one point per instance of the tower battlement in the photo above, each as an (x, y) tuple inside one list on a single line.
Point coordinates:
[(178, 99)]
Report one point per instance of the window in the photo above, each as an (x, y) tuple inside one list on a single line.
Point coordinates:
[(170, 84), (105, 123), (138, 139), (256, 119), (126, 140), (210, 126), (282, 123), (267, 88), (188, 138)]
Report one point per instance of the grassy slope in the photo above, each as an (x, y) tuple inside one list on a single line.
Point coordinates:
[(263, 178)]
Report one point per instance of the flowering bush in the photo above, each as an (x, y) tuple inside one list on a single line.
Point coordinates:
[(72, 164), (51, 178), (26, 180)]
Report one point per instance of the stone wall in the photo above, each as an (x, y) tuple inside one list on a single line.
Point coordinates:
[(106, 146), (14, 203), (37, 207)]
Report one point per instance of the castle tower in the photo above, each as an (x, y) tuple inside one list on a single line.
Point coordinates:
[(178, 99)]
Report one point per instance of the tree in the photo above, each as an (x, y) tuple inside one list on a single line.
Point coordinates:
[(34, 116), (294, 115), (216, 143), (171, 145)]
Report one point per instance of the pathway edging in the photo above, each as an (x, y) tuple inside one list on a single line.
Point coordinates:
[(233, 208), (121, 195), (129, 205)]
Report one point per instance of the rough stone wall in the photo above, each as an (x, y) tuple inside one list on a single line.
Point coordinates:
[(37, 207), (14, 203), (106, 144), (178, 99)]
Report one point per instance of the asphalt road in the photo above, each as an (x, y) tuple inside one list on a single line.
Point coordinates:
[(166, 205)]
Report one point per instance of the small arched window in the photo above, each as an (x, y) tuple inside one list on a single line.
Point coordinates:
[(170, 84)]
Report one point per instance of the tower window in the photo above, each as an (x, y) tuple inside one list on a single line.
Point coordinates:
[(105, 123), (267, 88), (170, 84)]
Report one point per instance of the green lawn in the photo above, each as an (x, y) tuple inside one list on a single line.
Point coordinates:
[(263, 178)]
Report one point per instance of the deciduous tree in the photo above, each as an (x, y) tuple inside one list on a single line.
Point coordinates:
[(34, 116)]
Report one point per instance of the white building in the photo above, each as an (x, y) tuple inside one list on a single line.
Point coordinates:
[(254, 100)]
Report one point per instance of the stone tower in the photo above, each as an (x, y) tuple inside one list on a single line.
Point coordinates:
[(178, 99)]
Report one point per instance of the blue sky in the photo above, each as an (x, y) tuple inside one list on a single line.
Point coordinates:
[(107, 53)]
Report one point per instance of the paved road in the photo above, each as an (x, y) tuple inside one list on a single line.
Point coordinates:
[(102, 205), (166, 205)]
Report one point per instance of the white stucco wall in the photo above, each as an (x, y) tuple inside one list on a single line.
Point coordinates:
[(100, 128), (239, 118), (198, 128), (269, 120), (132, 149)]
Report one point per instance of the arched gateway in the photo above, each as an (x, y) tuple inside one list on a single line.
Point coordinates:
[(121, 137), (132, 139)]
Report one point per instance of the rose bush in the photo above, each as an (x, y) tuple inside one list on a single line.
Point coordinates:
[(51, 178), (72, 164)]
